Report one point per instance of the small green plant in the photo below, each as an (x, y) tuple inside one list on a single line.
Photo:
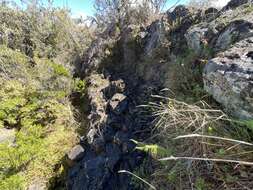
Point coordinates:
[(60, 70), (79, 85), (154, 150), (200, 184), (13, 182)]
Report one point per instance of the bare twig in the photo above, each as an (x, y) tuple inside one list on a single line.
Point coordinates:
[(213, 137), (207, 159), (144, 181)]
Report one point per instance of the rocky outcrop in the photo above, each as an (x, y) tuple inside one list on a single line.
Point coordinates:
[(114, 121), (229, 78), (234, 32), (153, 36), (227, 29), (234, 4)]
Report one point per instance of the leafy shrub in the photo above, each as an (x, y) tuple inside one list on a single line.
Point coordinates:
[(34, 103)]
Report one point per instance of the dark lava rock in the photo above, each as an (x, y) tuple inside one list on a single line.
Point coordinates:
[(211, 13), (117, 86), (121, 137), (91, 175), (98, 145), (250, 54), (179, 12), (114, 153)]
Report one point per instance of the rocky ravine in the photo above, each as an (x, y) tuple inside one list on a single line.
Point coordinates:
[(114, 121), (114, 117)]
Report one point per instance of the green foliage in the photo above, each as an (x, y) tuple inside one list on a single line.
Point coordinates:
[(13, 182), (248, 9), (9, 56), (249, 124), (154, 150), (33, 102), (60, 70), (79, 86), (143, 171), (200, 184), (43, 31), (37, 48)]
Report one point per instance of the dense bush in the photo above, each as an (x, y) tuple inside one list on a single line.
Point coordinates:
[(43, 32), (37, 49), (33, 101)]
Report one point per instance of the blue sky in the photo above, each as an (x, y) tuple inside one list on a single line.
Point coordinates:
[(85, 7)]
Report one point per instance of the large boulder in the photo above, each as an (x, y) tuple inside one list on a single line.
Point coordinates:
[(220, 33), (234, 4), (235, 31), (229, 79), (152, 37)]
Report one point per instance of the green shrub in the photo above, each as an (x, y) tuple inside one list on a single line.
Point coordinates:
[(13, 182), (60, 70), (37, 46), (79, 86), (34, 103)]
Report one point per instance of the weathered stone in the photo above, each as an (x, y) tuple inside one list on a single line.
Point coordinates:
[(76, 153), (98, 145), (154, 35), (114, 118), (97, 117), (196, 38), (92, 175), (211, 11), (7, 135), (118, 103), (178, 13), (234, 4), (117, 86), (229, 79), (37, 185), (234, 32)]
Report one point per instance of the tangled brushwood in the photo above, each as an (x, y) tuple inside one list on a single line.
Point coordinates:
[(207, 149)]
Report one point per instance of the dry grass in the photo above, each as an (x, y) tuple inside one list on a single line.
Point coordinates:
[(174, 117), (208, 150)]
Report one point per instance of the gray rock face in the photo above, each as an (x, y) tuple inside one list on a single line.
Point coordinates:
[(76, 153), (179, 12), (98, 104), (195, 38), (114, 118), (234, 32), (234, 4), (229, 79), (153, 36), (217, 36)]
